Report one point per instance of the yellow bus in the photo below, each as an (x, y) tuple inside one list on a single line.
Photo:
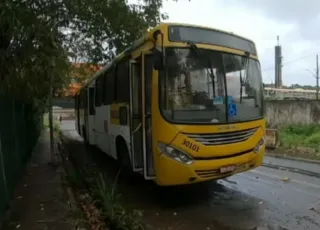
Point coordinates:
[(184, 104)]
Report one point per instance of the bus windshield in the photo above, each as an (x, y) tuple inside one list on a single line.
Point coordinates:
[(210, 87)]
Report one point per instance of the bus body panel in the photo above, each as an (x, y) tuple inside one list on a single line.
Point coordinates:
[(175, 173), (107, 129), (118, 130), (199, 150), (102, 136)]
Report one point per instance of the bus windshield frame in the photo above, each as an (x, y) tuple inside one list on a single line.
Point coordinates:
[(211, 37), (233, 82)]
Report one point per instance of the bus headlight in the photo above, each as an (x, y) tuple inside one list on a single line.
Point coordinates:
[(259, 145), (175, 154)]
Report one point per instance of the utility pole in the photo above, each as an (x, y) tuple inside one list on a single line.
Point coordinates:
[(317, 77), (278, 65)]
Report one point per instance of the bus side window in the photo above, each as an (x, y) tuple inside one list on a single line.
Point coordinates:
[(109, 87), (122, 93), (99, 91), (76, 102), (91, 101)]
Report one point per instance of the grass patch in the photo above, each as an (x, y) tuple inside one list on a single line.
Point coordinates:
[(299, 140), (292, 136)]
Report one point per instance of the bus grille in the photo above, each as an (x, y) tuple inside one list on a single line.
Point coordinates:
[(223, 138), (211, 173)]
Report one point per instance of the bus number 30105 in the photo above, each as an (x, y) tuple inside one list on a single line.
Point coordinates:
[(190, 145)]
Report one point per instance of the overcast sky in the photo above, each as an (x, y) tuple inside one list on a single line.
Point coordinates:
[(297, 22)]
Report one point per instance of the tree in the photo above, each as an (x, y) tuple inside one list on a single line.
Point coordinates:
[(101, 29), (39, 38), (31, 49)]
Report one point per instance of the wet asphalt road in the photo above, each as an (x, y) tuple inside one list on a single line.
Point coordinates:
[(264, 198)]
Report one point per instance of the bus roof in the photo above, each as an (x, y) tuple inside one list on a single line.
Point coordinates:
[(203, 27), (148, 36)]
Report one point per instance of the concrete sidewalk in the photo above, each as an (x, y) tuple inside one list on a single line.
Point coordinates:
[(41, 201)]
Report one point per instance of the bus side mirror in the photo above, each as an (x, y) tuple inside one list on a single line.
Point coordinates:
[(158, 60)]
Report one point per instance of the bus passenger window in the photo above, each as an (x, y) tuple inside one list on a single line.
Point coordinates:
[(99, 91), (109, 87), (91, 101), (122, 82)]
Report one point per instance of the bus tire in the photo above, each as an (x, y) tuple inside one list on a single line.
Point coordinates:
[(123, 154)]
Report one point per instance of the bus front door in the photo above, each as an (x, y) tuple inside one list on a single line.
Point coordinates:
[(140, 109), (147, 77), (136, 116)]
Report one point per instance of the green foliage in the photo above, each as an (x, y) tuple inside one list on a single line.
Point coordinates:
[(101, 29), (39, 37), (114, 212), (31, 49), (300, 135)]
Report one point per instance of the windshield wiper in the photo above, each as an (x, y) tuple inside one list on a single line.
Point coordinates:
[(245, 62), (194, 48)]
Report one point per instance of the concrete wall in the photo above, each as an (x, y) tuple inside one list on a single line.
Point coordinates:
[(285, 112)]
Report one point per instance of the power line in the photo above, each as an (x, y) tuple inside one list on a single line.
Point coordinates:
[(290, 62)]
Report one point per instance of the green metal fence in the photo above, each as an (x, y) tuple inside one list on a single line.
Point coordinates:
[(19, 131)]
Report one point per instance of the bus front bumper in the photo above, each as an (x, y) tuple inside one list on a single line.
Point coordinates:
[(172, 172)]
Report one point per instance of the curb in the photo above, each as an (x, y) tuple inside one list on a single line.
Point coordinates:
[(293, 158), (290, 169)]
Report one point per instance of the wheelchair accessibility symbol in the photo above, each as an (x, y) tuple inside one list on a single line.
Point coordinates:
[(232, 110)]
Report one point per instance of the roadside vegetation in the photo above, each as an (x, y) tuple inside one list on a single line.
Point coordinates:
[(300, 140), (96, 194), (115, 214)]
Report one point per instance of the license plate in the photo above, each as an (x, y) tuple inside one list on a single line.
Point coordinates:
[(229, 168)]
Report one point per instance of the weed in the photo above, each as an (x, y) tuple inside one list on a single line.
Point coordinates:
[(113, 211)]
